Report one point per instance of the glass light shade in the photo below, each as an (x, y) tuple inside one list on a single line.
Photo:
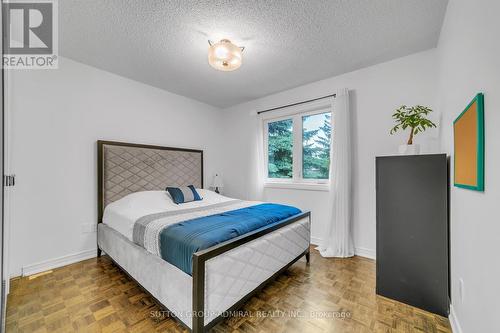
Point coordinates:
[(224, 55), (217, 181)]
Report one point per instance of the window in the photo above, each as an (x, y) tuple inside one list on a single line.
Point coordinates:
[(316, 135), (279, 149), (297, 148)]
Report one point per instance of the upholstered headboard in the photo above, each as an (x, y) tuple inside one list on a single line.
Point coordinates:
[(124, 168)]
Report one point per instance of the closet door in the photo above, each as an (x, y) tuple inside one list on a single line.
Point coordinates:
[(2, 132), (3, 278), (412, 230)]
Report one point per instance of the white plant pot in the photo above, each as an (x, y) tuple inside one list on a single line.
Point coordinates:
[(413, 149)]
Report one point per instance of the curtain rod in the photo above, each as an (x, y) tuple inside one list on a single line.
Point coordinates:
[(293, 104)]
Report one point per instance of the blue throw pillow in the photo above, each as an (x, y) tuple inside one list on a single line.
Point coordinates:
[(183, 194)]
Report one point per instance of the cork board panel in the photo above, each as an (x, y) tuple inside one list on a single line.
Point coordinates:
[(468, 131), (466, 147)]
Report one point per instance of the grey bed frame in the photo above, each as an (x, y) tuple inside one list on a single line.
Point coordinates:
[(153, 156)]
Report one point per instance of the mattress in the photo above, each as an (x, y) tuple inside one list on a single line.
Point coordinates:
[(179, 231)]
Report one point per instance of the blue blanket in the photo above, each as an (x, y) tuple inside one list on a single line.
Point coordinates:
[(179, 241)]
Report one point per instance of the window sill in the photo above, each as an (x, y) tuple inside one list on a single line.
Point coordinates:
[(298, 186)]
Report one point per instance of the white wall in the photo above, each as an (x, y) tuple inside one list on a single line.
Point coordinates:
[(469, 62), (375, 93), (56, 117)]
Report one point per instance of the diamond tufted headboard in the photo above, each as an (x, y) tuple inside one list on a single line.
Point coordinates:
[(125, 168)]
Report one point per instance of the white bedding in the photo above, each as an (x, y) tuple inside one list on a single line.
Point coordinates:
[(122, 214)]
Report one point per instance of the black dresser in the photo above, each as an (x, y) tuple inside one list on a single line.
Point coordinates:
[(412, 230)]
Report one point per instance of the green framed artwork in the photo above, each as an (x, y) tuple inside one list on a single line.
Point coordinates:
[(468, 138)]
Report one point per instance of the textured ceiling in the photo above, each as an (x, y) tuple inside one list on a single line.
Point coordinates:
[(287, 43)]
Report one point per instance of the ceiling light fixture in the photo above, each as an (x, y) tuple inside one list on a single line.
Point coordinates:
[(224, 55)]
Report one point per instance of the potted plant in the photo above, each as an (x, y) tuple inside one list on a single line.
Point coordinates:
[(414, 118)]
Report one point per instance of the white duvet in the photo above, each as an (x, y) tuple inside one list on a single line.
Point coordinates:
[(122, 214)]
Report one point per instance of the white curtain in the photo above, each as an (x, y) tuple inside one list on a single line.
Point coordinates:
[(258, 177), (338, 239)]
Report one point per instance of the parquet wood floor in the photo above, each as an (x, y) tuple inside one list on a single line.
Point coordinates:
[(96, 296)]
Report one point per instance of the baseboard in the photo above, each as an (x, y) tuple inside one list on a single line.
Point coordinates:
[(455, 324), (58, 262), (359, 251), (364, 252), (315, 241)]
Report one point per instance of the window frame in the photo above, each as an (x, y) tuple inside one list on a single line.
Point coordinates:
[(296, 114)]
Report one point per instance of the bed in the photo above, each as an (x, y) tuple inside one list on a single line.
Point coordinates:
[(207, 285)]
